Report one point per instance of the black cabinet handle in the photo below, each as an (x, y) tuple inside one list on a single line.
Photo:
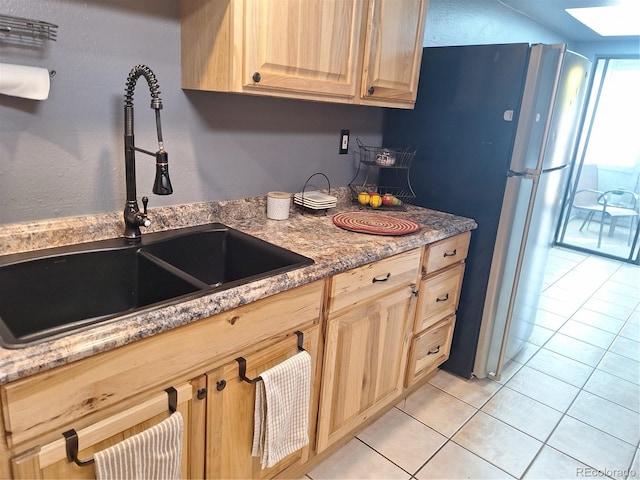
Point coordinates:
[(202, 394), (371, 90), (443, 299), (452, 254), (376, 279), (256, 77), (433, 352)]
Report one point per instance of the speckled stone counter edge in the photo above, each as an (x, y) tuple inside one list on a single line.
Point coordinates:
[(311, 234)]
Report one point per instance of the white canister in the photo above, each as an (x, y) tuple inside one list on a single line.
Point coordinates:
[(278, 205)]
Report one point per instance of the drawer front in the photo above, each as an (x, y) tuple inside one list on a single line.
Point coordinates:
[(439, 296), (446, 252), (372, 280), (429, 350)]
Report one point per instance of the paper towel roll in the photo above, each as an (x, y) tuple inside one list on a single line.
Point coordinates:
[(25, 82)]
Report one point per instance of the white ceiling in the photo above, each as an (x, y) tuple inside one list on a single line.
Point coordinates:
[(551, 14)]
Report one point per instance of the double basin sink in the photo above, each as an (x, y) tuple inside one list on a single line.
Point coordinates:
[(48, 294)]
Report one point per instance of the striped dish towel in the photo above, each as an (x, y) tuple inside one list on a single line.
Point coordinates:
[(152, 454), (281, 415)]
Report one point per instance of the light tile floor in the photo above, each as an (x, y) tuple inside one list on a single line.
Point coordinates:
[(568, 407)]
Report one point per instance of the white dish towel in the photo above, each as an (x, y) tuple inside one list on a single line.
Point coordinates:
[(281, 415), (152, 454)]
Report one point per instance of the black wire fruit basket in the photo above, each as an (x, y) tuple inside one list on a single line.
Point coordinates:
[(385, 156), (376, 167)]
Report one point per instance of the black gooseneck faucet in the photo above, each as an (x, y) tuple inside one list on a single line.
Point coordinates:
[(133, 217)]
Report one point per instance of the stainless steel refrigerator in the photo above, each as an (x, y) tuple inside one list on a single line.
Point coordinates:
[(495, 127)]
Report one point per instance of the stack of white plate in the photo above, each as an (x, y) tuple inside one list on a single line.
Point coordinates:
[(315, 200)]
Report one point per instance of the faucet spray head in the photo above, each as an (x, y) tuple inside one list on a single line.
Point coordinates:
[(162, 184)]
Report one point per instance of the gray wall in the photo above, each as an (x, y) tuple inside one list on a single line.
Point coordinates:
[(472, 22), (592, 50), (63, 156), (469, 22)]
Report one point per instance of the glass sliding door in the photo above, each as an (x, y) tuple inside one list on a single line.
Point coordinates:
[(602, 209)]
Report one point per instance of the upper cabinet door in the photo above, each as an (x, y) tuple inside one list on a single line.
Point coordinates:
[(324, 50), (393, 51), (302, 45)]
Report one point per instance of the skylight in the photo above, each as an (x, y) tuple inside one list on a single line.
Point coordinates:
[(614, 20)]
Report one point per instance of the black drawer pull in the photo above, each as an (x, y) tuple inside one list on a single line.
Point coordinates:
[(443, 299), (452, 254), (376, 279), (256, 77), (433, 352)]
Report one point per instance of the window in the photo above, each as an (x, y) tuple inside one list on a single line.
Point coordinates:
[(608, 160)]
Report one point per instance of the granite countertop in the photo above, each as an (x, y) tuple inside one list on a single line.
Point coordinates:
[(311, 234)]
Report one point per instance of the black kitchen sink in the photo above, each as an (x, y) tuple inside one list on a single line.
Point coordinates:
[(51, 295), (55, 292), (223, 256)]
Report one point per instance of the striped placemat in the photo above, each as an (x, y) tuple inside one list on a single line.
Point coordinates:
[(374, 223)]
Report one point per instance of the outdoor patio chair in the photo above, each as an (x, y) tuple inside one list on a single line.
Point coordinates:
[(610, 205)]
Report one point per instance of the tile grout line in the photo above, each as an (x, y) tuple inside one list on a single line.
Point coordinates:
[(581, 389), (565, 413), (450, 438)]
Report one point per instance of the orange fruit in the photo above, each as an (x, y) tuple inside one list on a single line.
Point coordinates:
[(363, 198), (375, 201)]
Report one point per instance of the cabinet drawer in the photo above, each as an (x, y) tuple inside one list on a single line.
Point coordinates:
[(374, 279), (439, 295), (430, 349), (445, 253)]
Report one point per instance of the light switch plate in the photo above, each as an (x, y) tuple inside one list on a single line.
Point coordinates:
[(344, 142)]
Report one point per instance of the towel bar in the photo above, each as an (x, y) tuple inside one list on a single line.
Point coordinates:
[(242, 363), (71, 436), (71, 441)]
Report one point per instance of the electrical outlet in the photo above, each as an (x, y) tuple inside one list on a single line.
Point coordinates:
[(344, 142)]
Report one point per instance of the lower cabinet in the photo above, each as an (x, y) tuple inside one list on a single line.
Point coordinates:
[(364, 363), (113, 395), (371, 331), (442, 273), (230, 409)]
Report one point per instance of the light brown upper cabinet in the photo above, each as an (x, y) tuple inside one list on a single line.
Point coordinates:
[(344, 51), (393, 52)]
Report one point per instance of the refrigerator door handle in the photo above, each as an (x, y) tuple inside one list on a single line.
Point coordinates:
[(554, 169), (529, 173), (495, 374)]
